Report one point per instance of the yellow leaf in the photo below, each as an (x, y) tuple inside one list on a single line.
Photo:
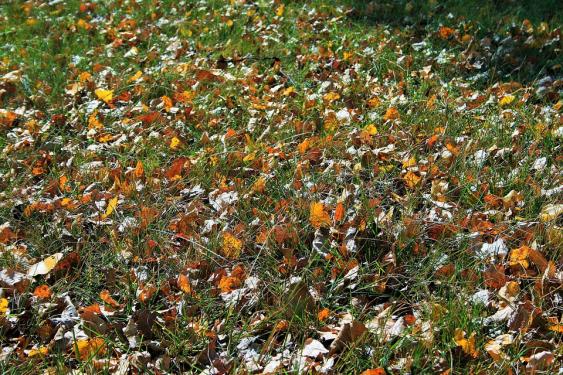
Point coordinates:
[(232, 246), (373, 102), (104, 138), (105, 95), (42, 351), (318, 215), (174, 143), (135, 76), (371, 129), (551, 212), (167, 102), (506, 100), (249, 157), (111, 207), (45, 266), (93, 122), (280, 10), (3, 306), (411, 179), (84, 77), (331, 96), (467, 345), (86, 348), (290, 90), (259, 185), (519, 256), (230, 23), (409, 162)]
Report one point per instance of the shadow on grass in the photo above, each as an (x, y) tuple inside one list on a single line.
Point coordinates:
[(504, 41)]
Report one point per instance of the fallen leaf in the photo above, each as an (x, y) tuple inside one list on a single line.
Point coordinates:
[(110, 208), (467, 345), (4, 303), (412, 180), (104, 95), (323, 314), (175, 143), (374, 371), (318, 215), (519, 256), (391, 114), (184, 284), (107, 298), (232, 246), (551, 212), (45, 266), (229, 283), (506, 100), (87, 348), (42, 292)]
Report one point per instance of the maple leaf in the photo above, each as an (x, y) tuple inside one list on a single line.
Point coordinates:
[(318, 215)]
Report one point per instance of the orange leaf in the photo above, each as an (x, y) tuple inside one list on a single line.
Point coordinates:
[(229, 283), (86, 348), (519, 256), (339, 212), (139, 169), (411, 179), (184, 284), (467, 345), (147, 293), (323, 314), (374, 371), (391, 114), (167, 102), (445, 32), (42, 292), (106, 297), (318, 216)]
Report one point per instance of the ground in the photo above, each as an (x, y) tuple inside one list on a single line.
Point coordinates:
[(280, 187)]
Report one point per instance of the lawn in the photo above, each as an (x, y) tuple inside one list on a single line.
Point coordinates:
[(264, 187)]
